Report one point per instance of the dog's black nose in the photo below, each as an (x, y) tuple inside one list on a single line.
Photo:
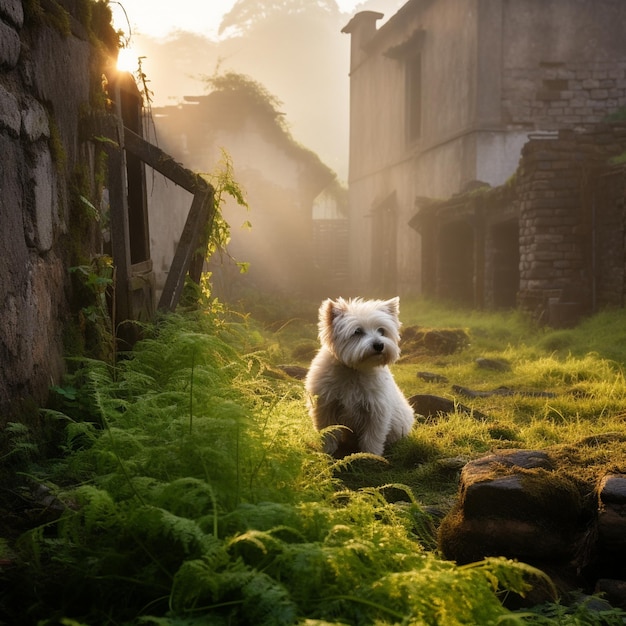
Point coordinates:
[(379, 346)]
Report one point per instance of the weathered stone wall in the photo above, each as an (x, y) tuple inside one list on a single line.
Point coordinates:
[(608, 211), (45, 68), (552, 241), (574, 71), (562, 95), (567, 227)]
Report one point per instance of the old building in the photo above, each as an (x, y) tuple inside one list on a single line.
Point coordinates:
[(550, 240), (443, 96)]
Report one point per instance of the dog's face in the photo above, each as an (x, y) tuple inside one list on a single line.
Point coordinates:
[(361, 333)]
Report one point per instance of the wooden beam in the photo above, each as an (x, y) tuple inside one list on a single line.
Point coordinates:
[(163, 163), (201, 215), (120, 238)]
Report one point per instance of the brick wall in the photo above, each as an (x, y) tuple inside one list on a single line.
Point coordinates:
[(564, 211), (566, 223), (553, 95)]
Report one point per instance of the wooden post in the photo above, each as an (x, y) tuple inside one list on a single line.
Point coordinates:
[(120, 238)]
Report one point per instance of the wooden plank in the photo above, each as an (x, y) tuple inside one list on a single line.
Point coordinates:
[(120, 239), (196, 264), (201, 215), (163, 163)]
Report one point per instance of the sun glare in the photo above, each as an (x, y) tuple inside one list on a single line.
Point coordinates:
[(127, 60)]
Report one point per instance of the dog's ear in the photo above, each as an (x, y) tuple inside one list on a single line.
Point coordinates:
[(331, 310), (392, 306)]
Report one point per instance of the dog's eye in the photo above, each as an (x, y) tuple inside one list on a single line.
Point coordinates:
[(381, 331), (358, 331)]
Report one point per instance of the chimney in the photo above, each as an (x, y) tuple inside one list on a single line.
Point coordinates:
[(362, 27)]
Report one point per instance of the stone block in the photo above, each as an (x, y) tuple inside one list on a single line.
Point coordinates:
[(10, 45), (13, 11), (43, 203), (591, 83), (35, 121), (10, 117)]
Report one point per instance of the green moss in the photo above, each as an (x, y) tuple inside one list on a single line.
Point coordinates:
[(57, 17), (33, 13), (57, 150), (618, 160)]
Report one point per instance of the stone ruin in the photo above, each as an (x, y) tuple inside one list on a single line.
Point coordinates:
[(549, 241), (520, 504)]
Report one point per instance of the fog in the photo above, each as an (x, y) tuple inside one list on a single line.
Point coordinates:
[(294, 48), (290, 157)]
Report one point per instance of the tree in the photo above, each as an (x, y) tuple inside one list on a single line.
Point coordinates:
[(247, 13)]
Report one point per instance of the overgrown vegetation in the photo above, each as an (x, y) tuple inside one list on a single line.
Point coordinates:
[(189, 486)]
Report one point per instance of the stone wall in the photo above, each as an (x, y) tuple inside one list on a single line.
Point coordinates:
[(568, 224), (49, 64), (579, 93), (572, 72), (551, 241)]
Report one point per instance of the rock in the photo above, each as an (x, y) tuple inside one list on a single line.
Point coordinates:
[(433, 341), (613, 590), (35, 121), (10, 46), (526, 459), (612, 515), (430, 406), (294, 371), (10, 117), (501, 391), (493, 364), (429, 377), (13, 10), (514, 504)]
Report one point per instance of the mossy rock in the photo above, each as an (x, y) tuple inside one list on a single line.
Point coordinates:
[(441, 341)]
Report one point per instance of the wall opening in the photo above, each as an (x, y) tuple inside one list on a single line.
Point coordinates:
[(456, 263), (505, 264), (384, 271), (413, 73)]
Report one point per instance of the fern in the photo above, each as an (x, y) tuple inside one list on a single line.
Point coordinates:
[(200, 501)]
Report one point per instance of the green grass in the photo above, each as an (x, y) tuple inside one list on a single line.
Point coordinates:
[(193, 489)]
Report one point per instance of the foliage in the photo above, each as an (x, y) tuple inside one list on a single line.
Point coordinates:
[(246, 13), (194, 493), (224, 184), (93, 284), (250, 91)]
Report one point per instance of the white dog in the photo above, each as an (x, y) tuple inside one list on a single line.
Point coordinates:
[(349, 382)]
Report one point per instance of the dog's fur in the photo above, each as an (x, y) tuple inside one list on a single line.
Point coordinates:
[(349, 383)]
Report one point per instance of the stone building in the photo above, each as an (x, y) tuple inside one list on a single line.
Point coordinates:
[(446, 93), (551, 240)]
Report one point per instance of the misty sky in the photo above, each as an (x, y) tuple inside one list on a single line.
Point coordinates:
[(306, 71), (156, 18)]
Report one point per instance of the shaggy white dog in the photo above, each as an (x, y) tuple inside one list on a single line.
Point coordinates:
[(349, 382)]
